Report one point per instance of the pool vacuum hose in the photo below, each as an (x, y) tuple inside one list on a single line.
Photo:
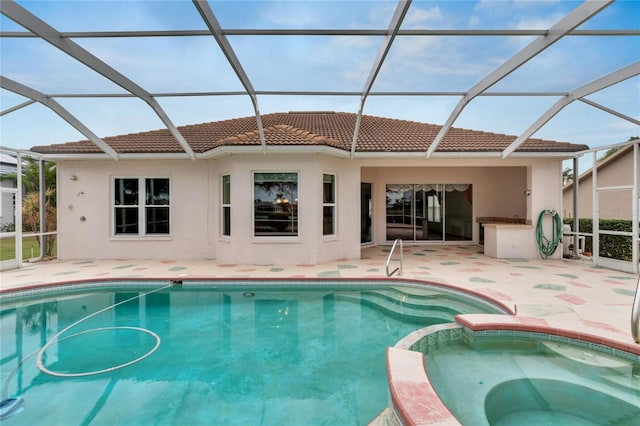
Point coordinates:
[(10, 406)]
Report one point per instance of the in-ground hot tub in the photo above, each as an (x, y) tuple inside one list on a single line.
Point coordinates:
[(456, 375), (555, 402)]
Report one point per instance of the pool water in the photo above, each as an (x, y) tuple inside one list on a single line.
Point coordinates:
[(228, 355), (504, 381)]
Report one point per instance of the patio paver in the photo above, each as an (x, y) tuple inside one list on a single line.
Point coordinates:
[(568, 294)]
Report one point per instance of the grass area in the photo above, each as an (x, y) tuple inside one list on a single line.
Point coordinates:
[(30, 248)]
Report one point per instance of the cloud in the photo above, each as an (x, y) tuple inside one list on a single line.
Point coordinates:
[(506, 6), (523, 15), (162, 64), (538, 23), (321, 14), (419, 18), (474, 21), (287, 15)]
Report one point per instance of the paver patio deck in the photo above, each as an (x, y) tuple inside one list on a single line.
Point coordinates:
[(568, 294)]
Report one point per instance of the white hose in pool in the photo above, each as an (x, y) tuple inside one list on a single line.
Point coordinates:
[(105, 370), (40, 352), (55, 339)]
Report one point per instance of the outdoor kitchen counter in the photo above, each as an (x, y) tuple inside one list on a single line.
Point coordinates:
[(509, 240)]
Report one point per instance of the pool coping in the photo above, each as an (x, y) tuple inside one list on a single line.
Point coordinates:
[(413, 399), (204, 280)]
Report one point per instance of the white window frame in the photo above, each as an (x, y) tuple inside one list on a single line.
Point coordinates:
[(224, 206), (333, 204), (141, 206)]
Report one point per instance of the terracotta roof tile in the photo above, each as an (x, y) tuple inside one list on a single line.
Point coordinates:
[(333, 129)]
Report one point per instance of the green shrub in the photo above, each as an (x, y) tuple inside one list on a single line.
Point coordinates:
[(611, 246)]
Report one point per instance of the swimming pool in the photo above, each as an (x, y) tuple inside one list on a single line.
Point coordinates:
[(514, 378), (211, 353)]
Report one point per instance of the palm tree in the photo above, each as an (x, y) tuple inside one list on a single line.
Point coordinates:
[(567, 175)]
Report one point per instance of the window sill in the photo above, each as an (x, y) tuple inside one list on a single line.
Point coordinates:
[(142, 238), (276, 240)]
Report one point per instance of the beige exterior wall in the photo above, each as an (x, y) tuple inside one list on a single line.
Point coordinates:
[(498, 191), (90, 196), (612, 204), (310, 246), (195, 211)]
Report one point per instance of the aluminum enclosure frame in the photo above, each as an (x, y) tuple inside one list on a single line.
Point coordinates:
[(566, 26)]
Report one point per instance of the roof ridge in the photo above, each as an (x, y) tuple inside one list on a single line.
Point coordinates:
[(313, 137), (312, 112), (330, 128)]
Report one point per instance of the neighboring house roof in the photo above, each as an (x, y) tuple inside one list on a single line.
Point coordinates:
[(602, 164), (334, 129), (8, 164)]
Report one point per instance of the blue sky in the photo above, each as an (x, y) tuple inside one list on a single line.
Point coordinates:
[(318, 63)]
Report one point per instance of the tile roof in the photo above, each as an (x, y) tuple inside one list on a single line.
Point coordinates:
[(334, 129)]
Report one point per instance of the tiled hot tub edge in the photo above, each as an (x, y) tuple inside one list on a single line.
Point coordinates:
[(413, 398)]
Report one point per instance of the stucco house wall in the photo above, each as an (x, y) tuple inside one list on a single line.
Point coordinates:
[(85, 204), (498, 185), (89, 197), (616, 170), (497, 191), (84, 214), (310, 246)]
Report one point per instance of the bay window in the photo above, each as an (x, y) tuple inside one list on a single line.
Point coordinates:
[(328, 204), (226, 205)]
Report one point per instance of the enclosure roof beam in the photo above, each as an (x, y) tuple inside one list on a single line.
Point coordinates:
[(579, 15), (17, 107), (394, 26), (610, 111), (301, 93), (596, 85), (37, 26), (365, 32), (36, 96), (216, 31)]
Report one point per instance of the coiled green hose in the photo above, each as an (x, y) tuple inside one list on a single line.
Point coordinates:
[(548, 246)]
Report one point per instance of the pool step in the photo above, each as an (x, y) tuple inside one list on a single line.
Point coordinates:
[(433, 313), (593, 359)]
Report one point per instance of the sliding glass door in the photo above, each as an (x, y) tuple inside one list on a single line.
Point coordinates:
[(429, 212), (458, 215), (400, 212)]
